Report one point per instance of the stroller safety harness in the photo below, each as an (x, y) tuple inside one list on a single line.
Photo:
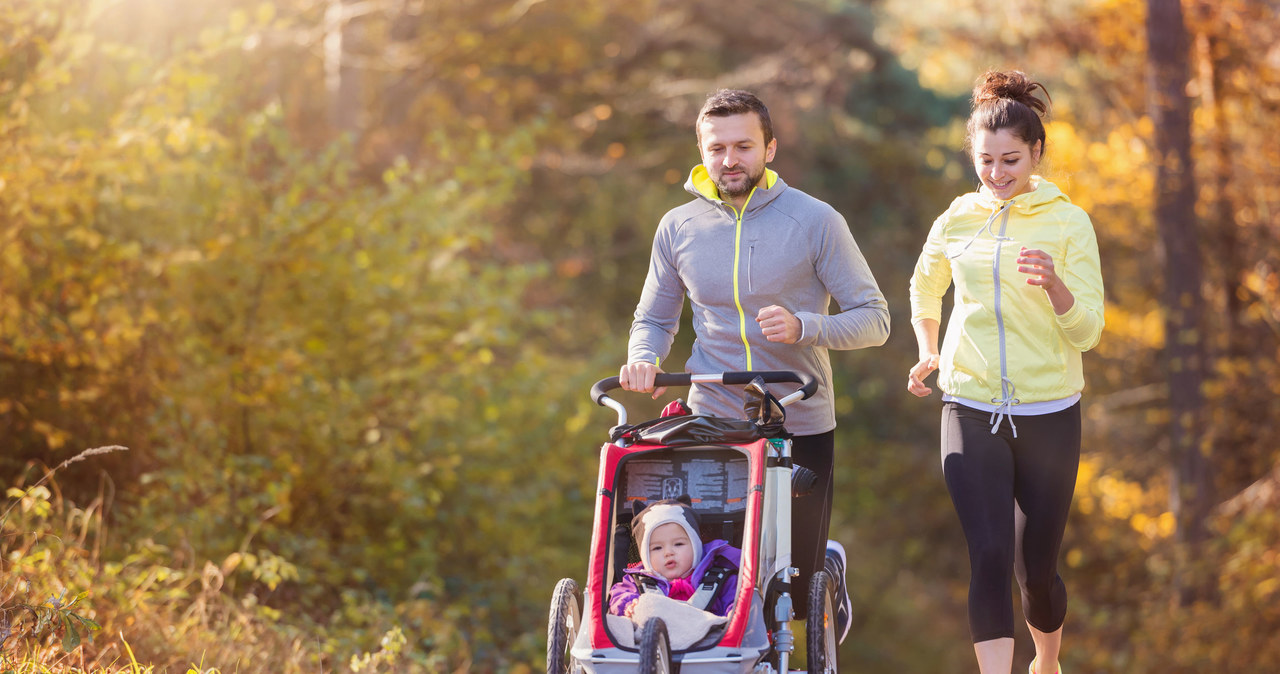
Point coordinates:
[(710, 585)]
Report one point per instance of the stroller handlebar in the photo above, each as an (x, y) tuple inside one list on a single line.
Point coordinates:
[(808, 385)]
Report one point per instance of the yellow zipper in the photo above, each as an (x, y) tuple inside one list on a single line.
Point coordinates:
[(737, 258)]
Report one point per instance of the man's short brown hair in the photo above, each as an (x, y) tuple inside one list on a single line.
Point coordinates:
[(728, 102)]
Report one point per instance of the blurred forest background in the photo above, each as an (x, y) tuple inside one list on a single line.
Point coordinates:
[(338, 273)]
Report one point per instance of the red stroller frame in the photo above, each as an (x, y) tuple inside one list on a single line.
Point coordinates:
[(755, 497)]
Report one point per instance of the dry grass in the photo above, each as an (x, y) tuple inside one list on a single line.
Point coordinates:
[(50, 549)]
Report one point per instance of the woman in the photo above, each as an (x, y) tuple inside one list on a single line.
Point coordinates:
[(1028, 302)]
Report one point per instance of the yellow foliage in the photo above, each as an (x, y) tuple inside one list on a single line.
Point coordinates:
[(1144, 327), (1161, 526), (53, 436), (1116, 498), (1104, 174)]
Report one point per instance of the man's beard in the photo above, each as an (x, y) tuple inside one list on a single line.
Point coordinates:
[(752, 180)]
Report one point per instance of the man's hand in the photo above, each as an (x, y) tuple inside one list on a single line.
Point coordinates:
[(778, 324), (638, 376)]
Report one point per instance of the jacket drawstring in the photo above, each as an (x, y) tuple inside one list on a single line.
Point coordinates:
[(978, 233), (1006, 402), (1005, 409)]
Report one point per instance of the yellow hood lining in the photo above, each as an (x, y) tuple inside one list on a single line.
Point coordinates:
[(706, 186)]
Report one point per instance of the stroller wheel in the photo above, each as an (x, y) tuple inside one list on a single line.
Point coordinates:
[(820, 626), (562, 626), (655, 648)]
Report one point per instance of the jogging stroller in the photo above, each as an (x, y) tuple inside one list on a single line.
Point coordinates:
[(739, 475)]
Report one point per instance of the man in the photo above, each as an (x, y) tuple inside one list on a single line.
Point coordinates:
[(761, 263)]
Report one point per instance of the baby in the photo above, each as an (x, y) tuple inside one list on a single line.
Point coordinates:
[(674, 560)]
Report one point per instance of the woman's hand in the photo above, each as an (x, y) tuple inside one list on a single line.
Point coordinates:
[(1038, 266), (922, 369)]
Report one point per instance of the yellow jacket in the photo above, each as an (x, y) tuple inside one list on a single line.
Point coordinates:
[(1008, 332)]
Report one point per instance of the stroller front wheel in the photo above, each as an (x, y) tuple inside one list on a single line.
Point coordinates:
[(820, 625), (562, 626), (655, 648)]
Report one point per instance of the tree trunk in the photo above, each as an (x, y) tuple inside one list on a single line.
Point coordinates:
[(1175, 202), (343, 81), (1233, 342)]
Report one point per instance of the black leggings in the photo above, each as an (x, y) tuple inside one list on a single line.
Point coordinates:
[(811, 513), (1013, 496)]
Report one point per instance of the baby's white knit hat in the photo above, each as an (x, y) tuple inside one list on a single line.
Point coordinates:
[(678, 510)]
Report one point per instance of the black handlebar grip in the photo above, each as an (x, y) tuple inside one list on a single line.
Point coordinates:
[(602, 387), (808, 385)]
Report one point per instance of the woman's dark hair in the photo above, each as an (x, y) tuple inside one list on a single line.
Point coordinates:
[(728, 102), (1006, 100)]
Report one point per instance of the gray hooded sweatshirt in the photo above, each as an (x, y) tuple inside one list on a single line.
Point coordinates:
[(785, 248)]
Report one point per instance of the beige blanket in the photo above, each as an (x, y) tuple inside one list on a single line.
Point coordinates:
[(686, 625)]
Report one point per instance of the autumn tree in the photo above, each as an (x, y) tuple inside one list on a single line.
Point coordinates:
[(1175, 211)]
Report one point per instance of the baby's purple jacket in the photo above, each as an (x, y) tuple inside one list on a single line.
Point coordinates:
[(625, 591)]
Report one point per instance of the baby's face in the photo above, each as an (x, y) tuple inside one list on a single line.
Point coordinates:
[(670, 551)]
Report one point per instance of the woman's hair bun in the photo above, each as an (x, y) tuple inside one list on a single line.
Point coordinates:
[(1011, 85)]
